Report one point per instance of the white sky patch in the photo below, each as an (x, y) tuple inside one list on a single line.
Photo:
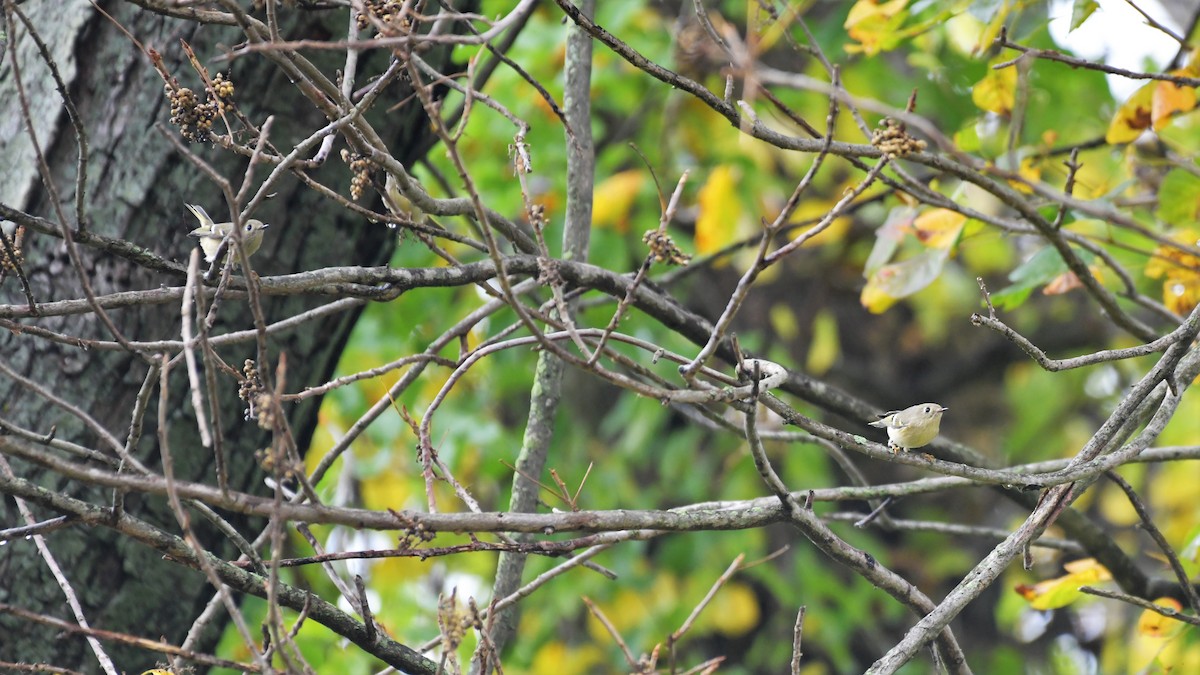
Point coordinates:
[(1116, 34)]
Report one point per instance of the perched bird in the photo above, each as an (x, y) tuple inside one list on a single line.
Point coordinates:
[(400, 205), (212, 234), (912, 427)]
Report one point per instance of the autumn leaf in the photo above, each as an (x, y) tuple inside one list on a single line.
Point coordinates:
[(1180, 271), (735, 610), (888, 237), (720, 210), (875, 26), (1169, 99), (614, 199), (1133, 117), (997, 91), (1153, 647), (1062, 591), (825, 348), (1153, 624), (1030, 171), (939, 228), (936, 229), (1061, 284), (1151, 106), (899, 280)]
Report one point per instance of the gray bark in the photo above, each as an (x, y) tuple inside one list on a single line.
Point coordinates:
[(137, 186)]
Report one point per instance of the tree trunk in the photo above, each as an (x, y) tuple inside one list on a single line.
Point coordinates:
[(137, 185)]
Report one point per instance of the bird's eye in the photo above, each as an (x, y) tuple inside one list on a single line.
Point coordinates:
[(928, 410), (249, 227)]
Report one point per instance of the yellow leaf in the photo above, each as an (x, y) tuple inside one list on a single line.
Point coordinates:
[(1192, 67), (1087, 566), (1181, 285), (395, 572), (559, 658), (808, 213), (783, 321), (1116, 508), (631, 607), (720, 209), (1181, 296), (939, 228), (825, 347), (1168, 259), (997, 91), (1156, 625), (966, 34), (875, 26), (1169, 99), (1158, 653), (865, 11), (1133, 117), (999, 20), (734, 610), (1062, 591), (874, 296), (388, 488), (614, 197), (1031, 171)]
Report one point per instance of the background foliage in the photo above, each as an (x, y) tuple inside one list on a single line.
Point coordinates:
[(647, 456), (875, 312)]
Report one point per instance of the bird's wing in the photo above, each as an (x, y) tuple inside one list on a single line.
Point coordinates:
[(885, 418)]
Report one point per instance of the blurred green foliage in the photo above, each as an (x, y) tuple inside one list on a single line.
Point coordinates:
[(639, 454)]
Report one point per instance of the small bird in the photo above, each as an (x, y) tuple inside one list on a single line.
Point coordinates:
[(400, 205), (212, 234), (912, 427)]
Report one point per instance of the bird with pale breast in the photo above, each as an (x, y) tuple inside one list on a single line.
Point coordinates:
[(914, 427), (212, 234)]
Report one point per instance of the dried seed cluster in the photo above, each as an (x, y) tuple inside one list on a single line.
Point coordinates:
[(663, 248), (894, 140), (251, 390), (275, 461), (223, 88), (453, 620), (14, 242), (362, 168), (264, 410), (414, 534), (195, 118), (384, 11)]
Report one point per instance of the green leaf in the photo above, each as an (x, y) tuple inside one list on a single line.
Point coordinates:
[(902, 279), (1081, 10), (888, 237), (1044, 266), (1178, 198), (1064, 590), (1190, 555)]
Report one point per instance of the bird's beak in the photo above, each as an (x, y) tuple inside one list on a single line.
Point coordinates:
[(944, 409)]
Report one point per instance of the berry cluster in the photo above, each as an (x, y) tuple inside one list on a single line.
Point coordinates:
[(663, 248), (194, 118), (894, 140), (361, 167), (386, 12)]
